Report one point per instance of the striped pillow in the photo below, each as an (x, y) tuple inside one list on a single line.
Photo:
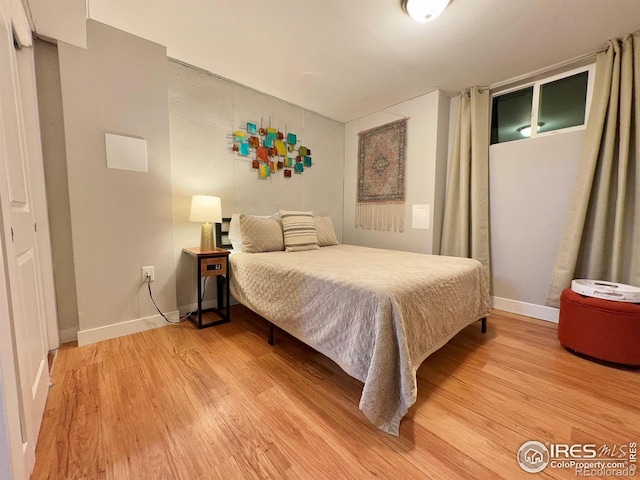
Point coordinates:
[(299, 230)]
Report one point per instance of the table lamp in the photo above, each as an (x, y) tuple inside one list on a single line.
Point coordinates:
[(205, 208)]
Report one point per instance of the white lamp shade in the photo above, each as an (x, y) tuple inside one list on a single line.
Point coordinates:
[(423, 10), (205, 208)]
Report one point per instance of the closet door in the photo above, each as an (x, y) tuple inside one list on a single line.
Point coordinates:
[(28, 324)]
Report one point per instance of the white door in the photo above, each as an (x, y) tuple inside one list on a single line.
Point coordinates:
[(21, 253)]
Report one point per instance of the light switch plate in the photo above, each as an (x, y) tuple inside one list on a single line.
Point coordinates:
[(420, 216)]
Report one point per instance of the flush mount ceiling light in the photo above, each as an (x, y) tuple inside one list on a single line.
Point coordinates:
[(526, 130), (424, 10)]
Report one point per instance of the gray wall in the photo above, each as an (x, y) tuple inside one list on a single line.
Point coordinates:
[(54, 156), (121, 220), (427, 136), (204, 111)]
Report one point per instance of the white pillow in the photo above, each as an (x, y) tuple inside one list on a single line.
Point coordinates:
[(325, 231), (261, 234), (235, 234)]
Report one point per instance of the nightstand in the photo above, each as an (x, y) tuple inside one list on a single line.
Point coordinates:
[(212, 263)]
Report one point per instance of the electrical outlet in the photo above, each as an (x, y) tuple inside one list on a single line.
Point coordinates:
[(148, 272)]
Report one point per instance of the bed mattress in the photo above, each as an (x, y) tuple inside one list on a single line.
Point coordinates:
[(377, 313)]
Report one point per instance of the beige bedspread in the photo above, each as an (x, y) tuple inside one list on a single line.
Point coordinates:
[(376, 313)]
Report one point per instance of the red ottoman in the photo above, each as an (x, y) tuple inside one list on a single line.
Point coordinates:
[(603, 329)]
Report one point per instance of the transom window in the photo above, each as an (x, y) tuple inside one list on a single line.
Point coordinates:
[(555, 104)]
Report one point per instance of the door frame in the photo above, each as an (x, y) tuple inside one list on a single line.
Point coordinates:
[(28, 91)]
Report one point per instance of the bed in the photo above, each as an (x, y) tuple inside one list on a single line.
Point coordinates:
[(377, 313)]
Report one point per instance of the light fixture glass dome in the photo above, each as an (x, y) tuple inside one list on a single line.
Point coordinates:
[(424, 10), (526, 130)]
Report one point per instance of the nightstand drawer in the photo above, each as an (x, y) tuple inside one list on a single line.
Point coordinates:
[(213, 266)]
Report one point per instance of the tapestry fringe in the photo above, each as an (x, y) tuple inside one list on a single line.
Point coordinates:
[(377, 216)]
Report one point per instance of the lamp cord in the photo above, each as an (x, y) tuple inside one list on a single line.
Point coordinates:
[(193, 272), (184, 317), (156, 305)]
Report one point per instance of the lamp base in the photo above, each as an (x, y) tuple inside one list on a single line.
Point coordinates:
[(207, 242)]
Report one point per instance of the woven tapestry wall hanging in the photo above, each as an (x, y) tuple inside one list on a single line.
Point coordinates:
[(381, 161)]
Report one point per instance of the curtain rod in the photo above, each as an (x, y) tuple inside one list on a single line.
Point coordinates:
[(541, 71)]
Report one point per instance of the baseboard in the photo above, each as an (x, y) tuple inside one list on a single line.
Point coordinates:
[(69, 335), (541, 312), (93, 335)]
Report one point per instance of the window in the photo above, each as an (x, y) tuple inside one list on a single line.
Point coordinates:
[(510, 112), (555, 104)]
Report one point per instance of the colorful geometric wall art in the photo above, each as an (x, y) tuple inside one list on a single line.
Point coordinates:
[(270, 150)]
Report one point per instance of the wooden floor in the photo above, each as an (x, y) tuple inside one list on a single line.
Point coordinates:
[(176, 402)]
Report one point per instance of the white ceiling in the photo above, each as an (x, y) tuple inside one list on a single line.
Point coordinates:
[(348, 58)]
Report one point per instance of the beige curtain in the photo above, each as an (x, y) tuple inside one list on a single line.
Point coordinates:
[(602, 235), (465, 231)]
